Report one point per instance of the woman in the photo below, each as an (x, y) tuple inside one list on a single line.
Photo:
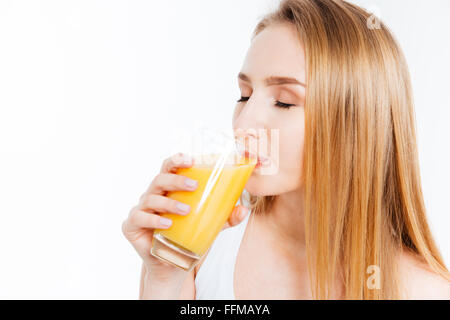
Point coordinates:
[(344, 216)]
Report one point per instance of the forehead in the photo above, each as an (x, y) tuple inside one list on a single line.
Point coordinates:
[(276, 51)]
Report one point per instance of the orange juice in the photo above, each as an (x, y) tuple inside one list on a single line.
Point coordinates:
[(211, 204)]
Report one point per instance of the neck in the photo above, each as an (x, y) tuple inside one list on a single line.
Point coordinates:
[(285, 219)]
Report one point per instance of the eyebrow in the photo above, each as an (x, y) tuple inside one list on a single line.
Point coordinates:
[(273, 80)]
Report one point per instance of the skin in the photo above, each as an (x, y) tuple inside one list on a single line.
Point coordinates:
[(265, 269), (277, 51), (284, 224), (160, 280), (260, 112)]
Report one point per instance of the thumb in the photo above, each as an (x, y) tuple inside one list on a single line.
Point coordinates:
[(236, 217)]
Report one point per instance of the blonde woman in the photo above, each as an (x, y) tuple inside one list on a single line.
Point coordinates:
[(344, 215)]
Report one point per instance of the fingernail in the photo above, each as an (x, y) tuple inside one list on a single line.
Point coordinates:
[(164, 222), (183, 207), (187, 160), (178, 158), (192, 184), (243, 212)]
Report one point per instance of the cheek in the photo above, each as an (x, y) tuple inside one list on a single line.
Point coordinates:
[(291, 149), (288, 175), (291, 154)]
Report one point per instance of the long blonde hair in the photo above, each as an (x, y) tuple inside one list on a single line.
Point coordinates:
[(363, 196)]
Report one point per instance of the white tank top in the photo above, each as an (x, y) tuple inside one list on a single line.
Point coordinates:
[(214, 279)]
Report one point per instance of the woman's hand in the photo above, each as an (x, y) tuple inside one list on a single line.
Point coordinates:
[(144, 217)]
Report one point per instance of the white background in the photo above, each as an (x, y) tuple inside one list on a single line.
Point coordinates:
[(90, 92)]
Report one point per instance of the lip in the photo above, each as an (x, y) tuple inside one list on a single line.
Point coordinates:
[(259, 159)]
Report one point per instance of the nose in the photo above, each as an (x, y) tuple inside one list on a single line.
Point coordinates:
[(246, 133), (251, 119), (251, 123)]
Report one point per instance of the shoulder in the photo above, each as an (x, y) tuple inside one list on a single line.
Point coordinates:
[(419, 281)]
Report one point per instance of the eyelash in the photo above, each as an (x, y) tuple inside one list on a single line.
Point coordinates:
[(278, 103)]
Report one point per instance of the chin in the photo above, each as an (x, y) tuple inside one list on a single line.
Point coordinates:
[(271, 185), (259, 186)]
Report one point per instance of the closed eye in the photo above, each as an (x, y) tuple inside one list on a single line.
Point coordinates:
[(242, 99), (279, 104), (284, 105)]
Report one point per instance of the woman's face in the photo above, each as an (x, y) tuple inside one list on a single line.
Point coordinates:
[(275, 53)]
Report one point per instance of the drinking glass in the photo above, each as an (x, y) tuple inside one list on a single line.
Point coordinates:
[(222, 173)]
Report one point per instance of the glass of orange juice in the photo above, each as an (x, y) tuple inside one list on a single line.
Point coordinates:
[(221, 175)]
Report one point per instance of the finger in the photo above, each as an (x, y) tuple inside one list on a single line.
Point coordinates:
[(158, 203), (236, 217), (171, 182), (139, 219), (178, 160)]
